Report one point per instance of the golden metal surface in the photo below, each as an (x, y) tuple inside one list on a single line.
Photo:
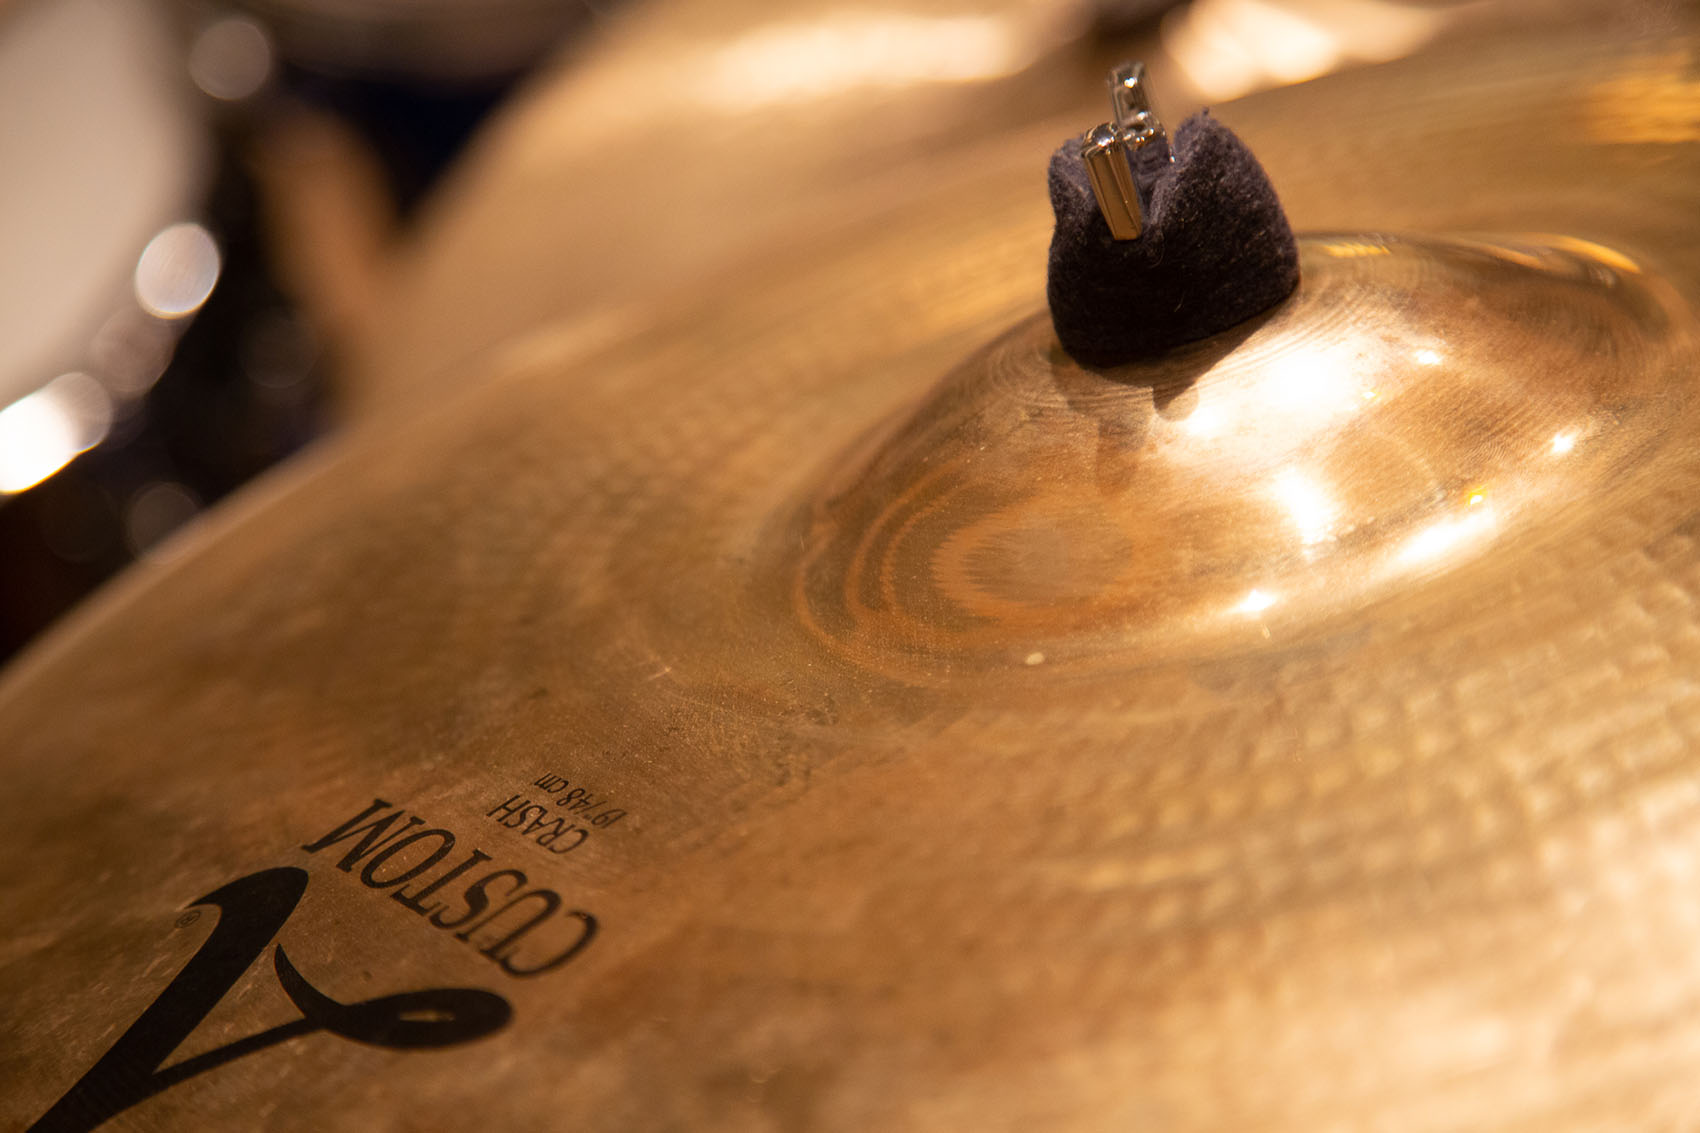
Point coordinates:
[(1414, 402), (994, 743), (799, 118), (791, 119)]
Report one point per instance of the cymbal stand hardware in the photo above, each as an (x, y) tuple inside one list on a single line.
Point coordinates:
[(1125, 154)]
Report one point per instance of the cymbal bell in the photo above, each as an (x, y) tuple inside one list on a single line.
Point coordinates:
[(1411, 402), (935, 764)]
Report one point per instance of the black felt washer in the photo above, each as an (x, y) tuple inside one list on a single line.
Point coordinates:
[(1216, 250)]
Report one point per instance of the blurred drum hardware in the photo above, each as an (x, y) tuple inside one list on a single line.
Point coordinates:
[(142, 305), (417, 77), (85, 107), (817, 703), (91, 280), (137, 309)]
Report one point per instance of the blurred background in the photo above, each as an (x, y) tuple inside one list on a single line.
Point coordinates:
[(229, 229)]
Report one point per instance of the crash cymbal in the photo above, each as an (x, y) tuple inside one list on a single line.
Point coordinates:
[(757, 120), (829, 706), (765, 123)]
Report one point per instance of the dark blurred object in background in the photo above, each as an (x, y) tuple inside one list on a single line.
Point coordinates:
[(415, 77), (131, 125), (240, 393)]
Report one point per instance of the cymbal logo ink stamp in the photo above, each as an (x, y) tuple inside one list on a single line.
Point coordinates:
[(492, 909)]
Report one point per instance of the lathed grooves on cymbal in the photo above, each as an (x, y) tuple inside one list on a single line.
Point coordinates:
[(1432, 865), (1416, 399)]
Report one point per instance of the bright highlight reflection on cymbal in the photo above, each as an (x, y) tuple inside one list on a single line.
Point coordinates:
[(1228, 48), (1308, 384), (1448, 536), (1310, 507), (998, 755), (796, 60), (1654, 101), (848, 49), (1386, 423), (1256, 602)]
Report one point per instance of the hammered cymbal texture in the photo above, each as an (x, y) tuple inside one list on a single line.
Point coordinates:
[(1405, 844)]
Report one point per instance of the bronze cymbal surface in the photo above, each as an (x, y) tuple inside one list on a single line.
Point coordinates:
[(758, 122), (1268, 479), (798, 118), (832, 708)]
